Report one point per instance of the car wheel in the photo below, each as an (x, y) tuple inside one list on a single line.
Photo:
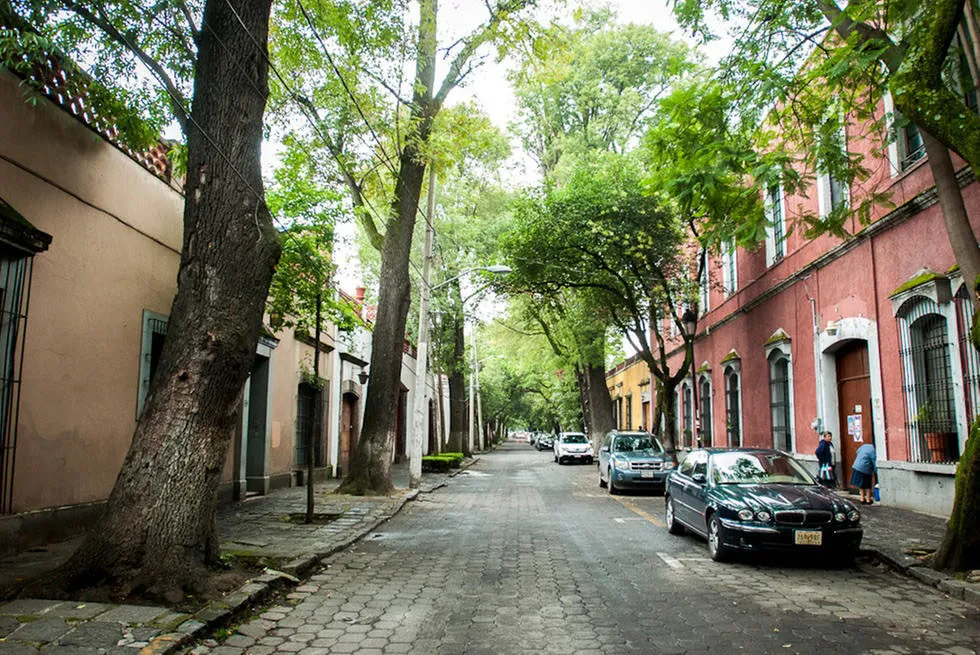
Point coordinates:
[(612, 487), (716, 546), (673, 527)]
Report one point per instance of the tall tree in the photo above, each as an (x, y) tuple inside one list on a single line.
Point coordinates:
[(391, 169), (157, 534), (602, 235)]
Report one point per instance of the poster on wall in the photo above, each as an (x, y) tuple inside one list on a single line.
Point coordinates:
[(855, 428)]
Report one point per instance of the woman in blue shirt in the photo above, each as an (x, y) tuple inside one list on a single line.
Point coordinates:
[(864, 472)]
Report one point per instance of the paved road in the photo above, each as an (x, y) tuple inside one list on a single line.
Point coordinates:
[(520, 555)]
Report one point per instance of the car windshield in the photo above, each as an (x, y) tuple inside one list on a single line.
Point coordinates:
[(627, 444), (758, 468), (574, 438)]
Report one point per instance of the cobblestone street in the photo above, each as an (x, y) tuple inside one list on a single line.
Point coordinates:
[(520, 555)]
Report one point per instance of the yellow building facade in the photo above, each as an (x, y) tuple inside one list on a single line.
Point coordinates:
[(629, 389)]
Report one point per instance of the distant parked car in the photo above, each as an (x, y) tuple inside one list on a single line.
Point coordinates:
[(573, 447), (633, 460), (759, 499), (545, 441)]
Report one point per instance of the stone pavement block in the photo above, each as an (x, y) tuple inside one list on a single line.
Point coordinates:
[(26, 606), (256, 628), (7, 625), (81, 611), (59, 649), (42, 631), (239, 641), (953, 587), (17, 648), (972, 594), (226, 650), (94, 633), (189, 627), (134, 614), (927, 575), (142, 633)]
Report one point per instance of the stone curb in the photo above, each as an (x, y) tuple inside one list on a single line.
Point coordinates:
[(220, 613), (914, 568)]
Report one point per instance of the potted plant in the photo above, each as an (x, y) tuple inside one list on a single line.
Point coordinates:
[(928, 422)]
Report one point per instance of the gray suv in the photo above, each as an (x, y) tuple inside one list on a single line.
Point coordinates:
[(633, 460)]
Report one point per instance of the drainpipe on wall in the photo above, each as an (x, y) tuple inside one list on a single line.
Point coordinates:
[(819, 424)]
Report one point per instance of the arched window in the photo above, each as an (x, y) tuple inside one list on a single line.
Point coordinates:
[(704, 408), (733, 407), (780, 400), (969, 357), (930, 406), (687, 414)]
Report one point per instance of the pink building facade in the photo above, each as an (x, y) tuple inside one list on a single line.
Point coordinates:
[(864, 337)]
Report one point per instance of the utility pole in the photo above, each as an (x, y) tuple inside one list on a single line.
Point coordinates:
[(479, 404), (422, 364), (472, 396)]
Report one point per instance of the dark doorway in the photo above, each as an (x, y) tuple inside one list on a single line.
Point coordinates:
[(349, 430), (307, 397), (256, 438)]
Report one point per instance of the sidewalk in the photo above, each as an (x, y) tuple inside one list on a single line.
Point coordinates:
[(257, 527)]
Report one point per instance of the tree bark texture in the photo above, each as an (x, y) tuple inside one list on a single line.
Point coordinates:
[(600, 403), (458, 436), (961, 237), (960, 550), (157, 533)]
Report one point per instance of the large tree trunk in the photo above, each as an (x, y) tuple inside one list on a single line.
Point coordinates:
[(370, 469), (458, 426), (582, 383), (961, 237), (157, 533), (669, 435), (960, 550), (600, 403)]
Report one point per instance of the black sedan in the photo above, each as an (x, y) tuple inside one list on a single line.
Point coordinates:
[(759, 499)]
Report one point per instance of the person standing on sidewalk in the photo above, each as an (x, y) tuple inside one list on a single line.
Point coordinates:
[(865, 472), (825, 461)]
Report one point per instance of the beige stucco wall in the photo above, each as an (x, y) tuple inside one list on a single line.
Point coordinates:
[(114, 253)]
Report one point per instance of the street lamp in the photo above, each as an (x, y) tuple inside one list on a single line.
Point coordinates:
[(690, 321)]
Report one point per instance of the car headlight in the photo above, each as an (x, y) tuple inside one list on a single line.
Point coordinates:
[(622, 465), (764, 517), (745, 514), (840, 517), (854, 515), (669, 465)]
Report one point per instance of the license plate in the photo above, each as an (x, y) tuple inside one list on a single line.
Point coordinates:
[(809, 538), (646, 474)]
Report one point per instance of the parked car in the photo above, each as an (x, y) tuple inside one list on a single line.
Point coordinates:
[(545, 441), (573, 447), (633, 460), (750, 499)]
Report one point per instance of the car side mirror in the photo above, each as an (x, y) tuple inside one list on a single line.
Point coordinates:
[(700, 478)]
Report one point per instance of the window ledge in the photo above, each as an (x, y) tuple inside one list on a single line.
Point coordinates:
[(938, 469)]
